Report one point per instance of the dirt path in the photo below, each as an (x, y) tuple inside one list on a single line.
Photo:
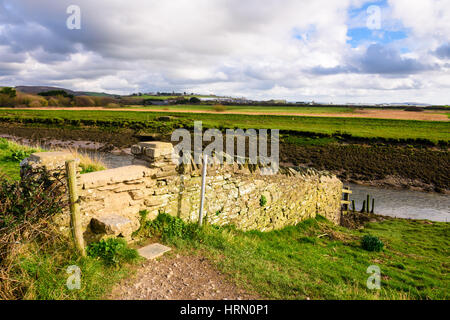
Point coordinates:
[(178, 277), (364, 113)]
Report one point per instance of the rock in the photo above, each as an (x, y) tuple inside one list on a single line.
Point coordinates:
[(112, 224)]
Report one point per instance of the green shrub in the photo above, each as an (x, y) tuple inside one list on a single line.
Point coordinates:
[(263, 200), (4, 144), (168, 228), (8, 91), (35, 196), (371, 243), (113, 251), (194, 100), (19, 155), (219, 108)]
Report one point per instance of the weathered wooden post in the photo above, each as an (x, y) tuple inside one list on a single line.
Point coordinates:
[(75, 218), (373, 206), (368, 204), (363, 209), (202, 199)]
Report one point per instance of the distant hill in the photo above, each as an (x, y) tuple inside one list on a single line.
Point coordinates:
[(39, 89)]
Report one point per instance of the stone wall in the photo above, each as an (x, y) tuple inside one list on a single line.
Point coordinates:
[(111, 200)]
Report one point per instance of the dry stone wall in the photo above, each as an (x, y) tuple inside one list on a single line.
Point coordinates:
[(111, 200)]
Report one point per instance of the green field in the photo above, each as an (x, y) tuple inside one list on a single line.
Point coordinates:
[(357, 127), (254, 109), (10, 156)]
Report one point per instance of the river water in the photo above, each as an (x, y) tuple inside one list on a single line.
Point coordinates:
[(404, 203)]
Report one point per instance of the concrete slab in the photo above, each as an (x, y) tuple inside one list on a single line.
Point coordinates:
[(153, 251)]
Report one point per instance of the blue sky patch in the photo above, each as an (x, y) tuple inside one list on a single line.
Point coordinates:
[(360, 34), (364, 35)]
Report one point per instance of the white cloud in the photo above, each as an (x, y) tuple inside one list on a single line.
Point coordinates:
[(253, 48)]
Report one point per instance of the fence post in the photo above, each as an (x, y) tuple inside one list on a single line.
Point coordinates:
[(368, 204), (202, 199), (75, 218)]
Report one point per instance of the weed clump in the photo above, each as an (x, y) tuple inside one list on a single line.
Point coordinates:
[(263, 200), (168, 228), (371, 243), (113, 251)]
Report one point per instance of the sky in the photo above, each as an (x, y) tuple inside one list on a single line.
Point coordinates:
[(335, 51)]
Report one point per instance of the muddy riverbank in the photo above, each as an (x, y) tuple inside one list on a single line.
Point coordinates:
[(399, 167)]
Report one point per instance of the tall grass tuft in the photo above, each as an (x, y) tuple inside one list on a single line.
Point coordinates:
[(88, 163)]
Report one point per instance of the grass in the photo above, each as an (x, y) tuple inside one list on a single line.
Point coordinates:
[(255, 109), (44, 274), (318, 260), (11, 154), (307, 141), (357, 127), (88, 163)]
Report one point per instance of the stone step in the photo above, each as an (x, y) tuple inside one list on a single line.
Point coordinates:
[(112, 224), (153, 251)]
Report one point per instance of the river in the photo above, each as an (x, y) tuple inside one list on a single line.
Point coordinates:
[(404, 203)]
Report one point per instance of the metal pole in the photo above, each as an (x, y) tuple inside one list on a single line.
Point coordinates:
[(74, 206), (202, 199)]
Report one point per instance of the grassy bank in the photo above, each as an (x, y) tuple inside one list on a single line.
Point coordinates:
[(41, 269), (318, 260), (11, 154), (432, 131)]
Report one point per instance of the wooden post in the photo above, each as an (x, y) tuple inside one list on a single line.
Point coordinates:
[(368, 204), (202, 199), (75, 219), (373, 206)]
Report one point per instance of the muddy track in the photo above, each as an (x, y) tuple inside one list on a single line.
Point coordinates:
[(179, 277)]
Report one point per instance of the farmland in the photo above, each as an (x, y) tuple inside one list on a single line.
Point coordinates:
[(368, 128)]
